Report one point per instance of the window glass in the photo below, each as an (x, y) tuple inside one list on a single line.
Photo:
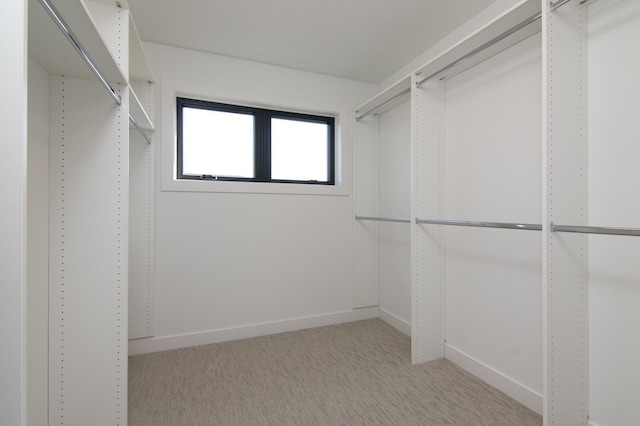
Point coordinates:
[(217, 143), (299, 150)]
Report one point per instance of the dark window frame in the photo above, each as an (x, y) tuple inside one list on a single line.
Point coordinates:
[(262, 140)]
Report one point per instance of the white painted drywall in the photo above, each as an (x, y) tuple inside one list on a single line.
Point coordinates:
[(13, 110), (394, 201), (227, 260), (493, 173), (614, 200)]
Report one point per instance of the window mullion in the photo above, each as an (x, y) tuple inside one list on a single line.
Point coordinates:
[(263, 146)]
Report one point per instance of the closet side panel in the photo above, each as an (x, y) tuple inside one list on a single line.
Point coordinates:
[(565, 255), (395, 238), (493, 174), (89, 174), (614, 200), (366, 290), (427, 241), (37, 245), (141, 225)]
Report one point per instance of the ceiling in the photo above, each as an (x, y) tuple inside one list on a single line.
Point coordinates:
[(364, 40)]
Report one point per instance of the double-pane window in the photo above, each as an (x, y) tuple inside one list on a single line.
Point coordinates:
[(231, 142)]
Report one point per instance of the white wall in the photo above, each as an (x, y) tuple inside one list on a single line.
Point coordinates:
[(493, 173), (394, 201), (240, 260), (12, 215)]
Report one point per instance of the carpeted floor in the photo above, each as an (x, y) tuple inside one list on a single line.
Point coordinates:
[(349, 374)]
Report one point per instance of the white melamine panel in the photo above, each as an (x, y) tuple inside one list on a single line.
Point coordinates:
[(37, 245), (394, 199), (493, 173), (565, 255), (112, 23), (614, 200), (89, 174), (427, 244), (141, 224), (366, 287)]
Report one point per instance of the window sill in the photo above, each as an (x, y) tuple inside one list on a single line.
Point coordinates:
[(253, 187)]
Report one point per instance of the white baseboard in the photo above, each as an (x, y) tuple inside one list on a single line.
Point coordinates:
[(164, 343), (395, 322), (521, 393)]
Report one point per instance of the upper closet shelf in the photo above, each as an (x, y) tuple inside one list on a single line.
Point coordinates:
[(138, 66), (138, 113), (517, 24), (384, 100), (49, 47)]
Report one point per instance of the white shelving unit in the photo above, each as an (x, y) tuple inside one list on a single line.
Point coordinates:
[(100, 218), (581, 175)]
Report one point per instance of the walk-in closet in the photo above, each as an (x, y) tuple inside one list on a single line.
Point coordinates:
[(484, 202)]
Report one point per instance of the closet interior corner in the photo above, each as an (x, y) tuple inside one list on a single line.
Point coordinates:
[(487, 210), (484, 151)]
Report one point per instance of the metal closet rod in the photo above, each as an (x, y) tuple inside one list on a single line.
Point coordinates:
[(501, 225), (140, 129), (459, 61), (479, 49), (383, 219), (55, 15), (633, 232), (385, 103), (553, 6)]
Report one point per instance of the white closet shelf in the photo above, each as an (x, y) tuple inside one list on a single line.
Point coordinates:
[(385, 100), (137, 111), (510, 19), (138, 65), (454, 59), (50, 48)]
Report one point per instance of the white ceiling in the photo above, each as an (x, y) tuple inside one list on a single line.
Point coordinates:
[(365, 40)]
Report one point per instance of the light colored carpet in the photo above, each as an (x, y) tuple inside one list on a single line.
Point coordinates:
[(357, 373)]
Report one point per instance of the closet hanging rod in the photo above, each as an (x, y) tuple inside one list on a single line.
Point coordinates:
[(383, 219), (553, 6), (501, 225), (634, 232), (479, 49), (140, 129), (53, 13), (385, 103)]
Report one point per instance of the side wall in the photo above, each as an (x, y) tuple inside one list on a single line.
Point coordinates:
[(12, 215), (232, 265), (394, 201)]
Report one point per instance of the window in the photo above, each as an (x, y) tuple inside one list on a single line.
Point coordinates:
[(218, 141)]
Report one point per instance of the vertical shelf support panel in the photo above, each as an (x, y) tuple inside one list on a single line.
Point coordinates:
[(141, 217), (427, 259), (565, 261), (88, 254), (366, 282)]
